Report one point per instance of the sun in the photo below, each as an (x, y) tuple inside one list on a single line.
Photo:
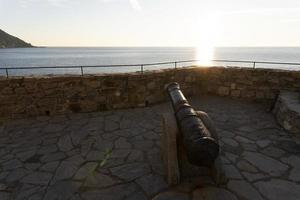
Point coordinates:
[(207, 32)]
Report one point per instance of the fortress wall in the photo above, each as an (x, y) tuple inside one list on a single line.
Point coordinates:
[(39, 96)]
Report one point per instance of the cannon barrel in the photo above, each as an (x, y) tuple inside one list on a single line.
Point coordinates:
[(202, 148)]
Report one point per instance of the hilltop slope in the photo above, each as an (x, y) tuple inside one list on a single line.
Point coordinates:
[(9, 41)]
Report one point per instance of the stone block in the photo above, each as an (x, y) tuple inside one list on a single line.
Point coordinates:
[(233, 86), (248, 94), (287, 111), (235, 93), (151, 85), (223, 91), (260, 95)]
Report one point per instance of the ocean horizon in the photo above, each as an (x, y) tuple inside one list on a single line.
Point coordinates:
[(91, 56)]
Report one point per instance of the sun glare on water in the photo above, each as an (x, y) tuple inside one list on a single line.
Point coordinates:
[(207, 32)]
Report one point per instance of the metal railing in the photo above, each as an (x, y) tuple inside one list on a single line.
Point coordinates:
[(142, 66)]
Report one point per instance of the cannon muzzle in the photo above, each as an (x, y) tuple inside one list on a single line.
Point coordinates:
[(202, 148)]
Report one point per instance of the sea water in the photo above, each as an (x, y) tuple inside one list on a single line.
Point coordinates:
[(91, 56)]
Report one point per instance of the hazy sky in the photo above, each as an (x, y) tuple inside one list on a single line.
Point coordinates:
[(153, 22)]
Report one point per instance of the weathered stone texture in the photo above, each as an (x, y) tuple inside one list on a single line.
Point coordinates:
[(287, 111), (38, 96)]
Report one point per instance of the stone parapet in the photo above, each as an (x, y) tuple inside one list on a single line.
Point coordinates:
[(38, 96)]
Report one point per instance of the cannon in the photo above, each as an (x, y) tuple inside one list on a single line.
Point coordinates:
[(202, 147), (189, 142)]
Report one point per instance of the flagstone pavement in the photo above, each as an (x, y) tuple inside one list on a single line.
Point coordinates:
[(116, 155)]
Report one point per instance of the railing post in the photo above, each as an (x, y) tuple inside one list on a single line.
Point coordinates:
[(81, 70), (142, 68), (175, 65), (6, 70), (253, 65)]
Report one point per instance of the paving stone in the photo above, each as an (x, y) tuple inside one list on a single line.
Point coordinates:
[(6, 158), (65, 143), (136, 156), (73, 152), (225, 134), (32, 166), (3, 174), (122, 143), (295, 174), (126, 123), (248, 128), (5, 196), (279, 189), (47, 149), (126, 133), (243, 139), (76, 197), (151, 135), (37, 196), (37, 178), (232, 172), (244, 190), (254, 176), (230, 142), (16, 175), (76, 159), (62, 190), (28, 190), (85, 170), (152, 184), (292, 160), (95, 156), (273, 152), (131, 171), (104, 145), (249, 147), (98, 180), (65, 171), (23, 156), (77, 136), (213, 193), (12, 164), (86, 146), (50, 167), (143, 144), (50, 128), (53, 157), (137, 131), (225, 160), (265, 164), (246, 166), (137, 196), (3, 187), (118, 192), (231, 157), (112, 136), (172, 195), (48, 141), (116, 117), (289, 146), (263, 143), (110, 126), (120, 153)]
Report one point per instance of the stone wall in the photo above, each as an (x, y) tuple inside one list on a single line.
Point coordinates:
[(248, 83), (38, 96)]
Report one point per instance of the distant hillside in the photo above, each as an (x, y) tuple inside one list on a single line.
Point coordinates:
[(9, 41)]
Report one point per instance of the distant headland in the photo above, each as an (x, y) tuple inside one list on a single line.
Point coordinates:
[(9, 41)]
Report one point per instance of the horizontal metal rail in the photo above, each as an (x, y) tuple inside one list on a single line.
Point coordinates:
[(142, 66)]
